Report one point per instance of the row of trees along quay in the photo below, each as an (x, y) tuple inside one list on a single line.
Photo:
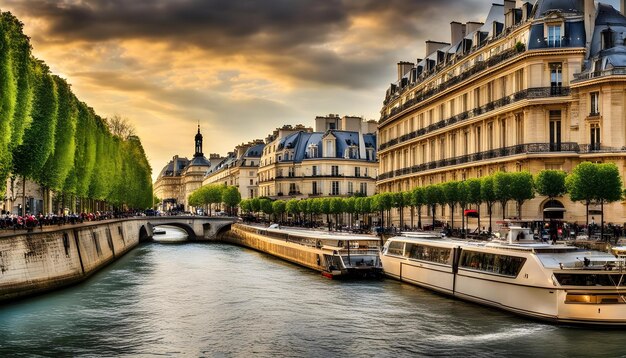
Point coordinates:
[(588, 183), (214, 194), (50, 137)]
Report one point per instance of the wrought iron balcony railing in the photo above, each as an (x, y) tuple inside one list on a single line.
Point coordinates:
[(488, 154), (529, 93)]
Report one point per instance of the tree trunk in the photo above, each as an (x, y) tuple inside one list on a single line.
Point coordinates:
[(23, 195), (452, 216), (489, 207), (602, 220), (478, 221), (434, 209), (419, 217)]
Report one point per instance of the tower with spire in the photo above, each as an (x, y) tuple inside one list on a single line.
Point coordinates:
[(198, 152)]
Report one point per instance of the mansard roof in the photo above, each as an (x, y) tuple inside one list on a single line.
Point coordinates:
[(300, 142)]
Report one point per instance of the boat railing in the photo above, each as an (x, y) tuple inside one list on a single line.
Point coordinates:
[(369, 251)]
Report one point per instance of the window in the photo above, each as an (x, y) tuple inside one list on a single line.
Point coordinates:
[(315, 189), (503, 133), (292, 188), (490, 136), (519, 128), (556, 80), (427, 253), (493, 263), (465, 102), (477, 97), (334, 188), (357, 172), (465, 142), (594, 99), (554, 35), (312, 152), (453, 145), (395, 248), (315, 170), (479, 146), (595, 136), (363, 188), (555, 131), (334, 170), (251, 181), (519, 80), (350, 188)]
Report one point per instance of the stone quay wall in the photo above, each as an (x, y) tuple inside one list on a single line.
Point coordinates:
[(37, 262)]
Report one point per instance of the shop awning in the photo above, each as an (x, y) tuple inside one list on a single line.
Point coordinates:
[(471, 213)]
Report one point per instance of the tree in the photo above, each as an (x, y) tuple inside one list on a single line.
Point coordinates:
[(582, 184), (488, 195), (336, 208), (419, 200), (451, 197), (120, 127), (463, 198), (521, 189), (472, 187), (325, 209), (502, 189), (278, 208), (349, 207), (266, 206), (399, 202), (293, 207), (231, 198), (212, 194), (551, 183), (432, 196), (610, 190)]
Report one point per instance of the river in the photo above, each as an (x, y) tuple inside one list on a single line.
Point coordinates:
[(219, 300)]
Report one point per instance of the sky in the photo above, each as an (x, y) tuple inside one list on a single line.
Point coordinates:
[(239, 68)]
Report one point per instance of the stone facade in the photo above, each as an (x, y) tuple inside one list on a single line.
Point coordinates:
[(532, 88)]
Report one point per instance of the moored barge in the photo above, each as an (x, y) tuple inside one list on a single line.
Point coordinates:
[(333, 254)]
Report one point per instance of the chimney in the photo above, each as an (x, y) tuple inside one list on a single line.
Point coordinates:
[(590, 20), (508, 5), (472, 26), (457, 31), (432, 46), (403, 68)]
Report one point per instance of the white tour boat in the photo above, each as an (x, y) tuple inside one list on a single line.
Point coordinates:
[(558, 283)]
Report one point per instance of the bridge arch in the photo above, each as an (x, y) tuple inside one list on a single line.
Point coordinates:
[(191, 234), (222, 230), (143, 234)]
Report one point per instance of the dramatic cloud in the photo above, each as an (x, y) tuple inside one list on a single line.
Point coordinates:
[(239, 67)]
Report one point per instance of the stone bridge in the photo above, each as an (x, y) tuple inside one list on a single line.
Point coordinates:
[(199, 228)]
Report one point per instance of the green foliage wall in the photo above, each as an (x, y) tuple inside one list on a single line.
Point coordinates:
[(50, 137)]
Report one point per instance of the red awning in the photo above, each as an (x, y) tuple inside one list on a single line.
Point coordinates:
[(471, 213)]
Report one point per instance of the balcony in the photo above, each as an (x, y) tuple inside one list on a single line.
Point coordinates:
[(465, 74), (618, 71), (529, 93), (530, 148)]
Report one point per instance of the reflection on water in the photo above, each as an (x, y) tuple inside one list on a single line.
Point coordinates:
[(220, 300), (169, 234)]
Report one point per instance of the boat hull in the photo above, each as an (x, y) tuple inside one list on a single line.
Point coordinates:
[(509, 294)]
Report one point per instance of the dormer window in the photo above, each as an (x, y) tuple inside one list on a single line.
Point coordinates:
[(329, 147), (351, 152), (555, 34), (312, 150), (607, 39)]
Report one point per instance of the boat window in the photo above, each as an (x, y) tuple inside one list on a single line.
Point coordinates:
[(396, 248), (595, 298), (492, 263), (427, 253), (568, 279)]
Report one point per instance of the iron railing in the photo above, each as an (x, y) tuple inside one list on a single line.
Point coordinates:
[(529, 148), (529, 93)]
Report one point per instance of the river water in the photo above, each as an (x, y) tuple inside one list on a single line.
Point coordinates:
[(218, 300)]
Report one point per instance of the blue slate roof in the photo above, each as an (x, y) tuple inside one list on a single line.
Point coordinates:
[(569, 6), (301, 141), (199, 161)]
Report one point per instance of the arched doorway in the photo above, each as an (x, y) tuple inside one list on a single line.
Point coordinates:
[(553, 209)]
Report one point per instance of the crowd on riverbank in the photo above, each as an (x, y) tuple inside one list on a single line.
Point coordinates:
[(16, 222)]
